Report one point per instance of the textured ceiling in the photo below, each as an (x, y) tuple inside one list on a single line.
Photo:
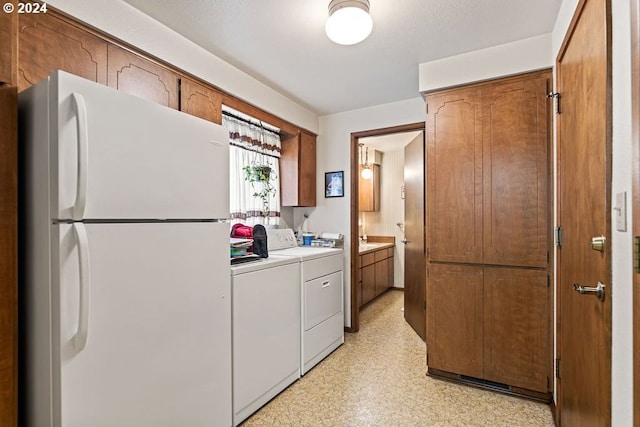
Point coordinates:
[(282, 42)]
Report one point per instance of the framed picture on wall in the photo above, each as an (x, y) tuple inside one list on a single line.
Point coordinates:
[(334, 184)]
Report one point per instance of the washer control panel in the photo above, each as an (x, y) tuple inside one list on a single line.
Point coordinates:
[(280, 238)]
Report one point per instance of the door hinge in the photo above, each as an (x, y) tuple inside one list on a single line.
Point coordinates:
[(548, 281), (179, 90), (556, 97), (636, 254), (557, 236), (558, 368)]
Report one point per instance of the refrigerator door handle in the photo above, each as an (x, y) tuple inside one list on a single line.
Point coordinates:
[(80, 337), (83, 156)]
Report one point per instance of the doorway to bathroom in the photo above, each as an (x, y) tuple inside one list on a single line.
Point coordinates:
[(391, 215)]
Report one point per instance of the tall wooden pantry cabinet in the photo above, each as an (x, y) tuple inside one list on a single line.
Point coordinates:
[(488, 234)]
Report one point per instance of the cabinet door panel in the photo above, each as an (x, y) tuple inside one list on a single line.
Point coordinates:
[(382, 276), (307, 196), (368, 283), (47, 43), (515, 170), (454, 319), (200, 101), (298, 170), (137, 76), (516, 327), (8, 48), (454, 176)]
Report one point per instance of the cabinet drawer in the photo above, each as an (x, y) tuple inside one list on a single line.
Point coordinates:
[(367, 259), (380, 255), (322, 299), (390, 252)]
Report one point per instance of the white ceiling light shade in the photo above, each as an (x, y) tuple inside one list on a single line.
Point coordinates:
[(349, 21)]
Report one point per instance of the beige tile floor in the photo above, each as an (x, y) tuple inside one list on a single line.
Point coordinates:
[(377, 378)]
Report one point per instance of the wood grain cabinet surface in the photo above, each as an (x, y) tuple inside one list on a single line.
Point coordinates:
[(515, 164), (488, 215), (8, 48), (454, 319), (298, 170), (133, 74), (200, 101), (454, 175), (376, 272), (516, 327), (48, 43), (369, 190)]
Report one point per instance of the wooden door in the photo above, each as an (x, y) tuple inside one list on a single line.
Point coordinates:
[(414, 252), (48, 43), (584, 206), (515, 157), (454, 316), (454, 176), (200, 101), (516, 327), (137, 76)]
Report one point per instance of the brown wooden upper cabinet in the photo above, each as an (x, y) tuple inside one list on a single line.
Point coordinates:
[(369, 190), (515, 139), (200, 101), (487, 163), (138, 76), (454, 174), (48, 43), (298, 170), (8, 48)]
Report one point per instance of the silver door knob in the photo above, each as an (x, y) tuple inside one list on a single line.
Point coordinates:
[(598, 290), (405, 241)]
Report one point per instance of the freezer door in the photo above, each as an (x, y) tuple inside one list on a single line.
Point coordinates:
[(145, 325), (119, 156)]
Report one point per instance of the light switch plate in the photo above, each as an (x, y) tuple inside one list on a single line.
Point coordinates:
[(621, 211)]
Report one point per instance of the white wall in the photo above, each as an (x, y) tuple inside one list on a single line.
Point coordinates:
[(128, 24), (333, 154), (497, 61), (622, 260)]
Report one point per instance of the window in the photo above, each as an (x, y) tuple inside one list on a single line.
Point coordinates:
[(254, 167)]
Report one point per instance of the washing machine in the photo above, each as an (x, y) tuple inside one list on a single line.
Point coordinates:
[(265, 312), (321, 295)]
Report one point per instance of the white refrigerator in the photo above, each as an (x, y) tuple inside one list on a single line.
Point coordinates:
[(125, 291)]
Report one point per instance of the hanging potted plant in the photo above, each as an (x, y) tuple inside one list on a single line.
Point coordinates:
[(260, 177)]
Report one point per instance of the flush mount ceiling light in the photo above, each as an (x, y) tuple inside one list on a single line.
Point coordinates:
[(349, 21)]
